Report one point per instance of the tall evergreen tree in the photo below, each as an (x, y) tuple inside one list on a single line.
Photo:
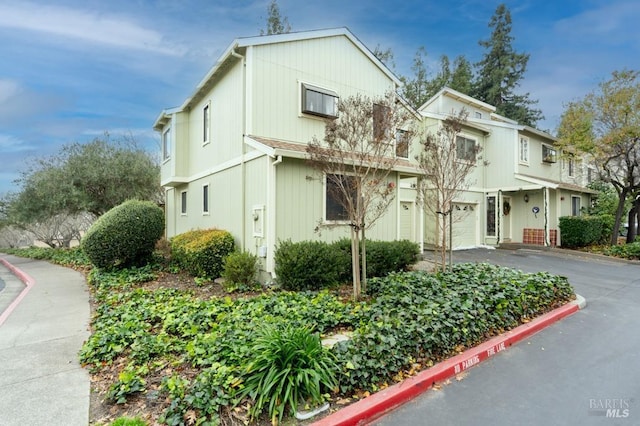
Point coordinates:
[(276, 24), (461, 76), (500, 71)]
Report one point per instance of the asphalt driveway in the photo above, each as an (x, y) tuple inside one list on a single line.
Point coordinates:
[(583, 370)]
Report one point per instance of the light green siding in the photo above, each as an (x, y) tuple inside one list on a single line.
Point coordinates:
[(279, 69), (300, 207)]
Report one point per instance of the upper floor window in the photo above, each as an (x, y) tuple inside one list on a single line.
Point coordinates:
[(205, 199), (402, 143), (205, 123), (571, 165), (524, 150), (183, 202), (590, 173), (381, 122), (549, 154), (317, 101), (166, 144), (465, 149)]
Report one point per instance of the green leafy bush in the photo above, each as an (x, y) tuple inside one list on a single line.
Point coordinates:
[(128, 421), (581, 231), (240, 271), (125, 235), (289, 366), (308, 265), (202, 252), (73, 257), (627, 251), (383, 257)]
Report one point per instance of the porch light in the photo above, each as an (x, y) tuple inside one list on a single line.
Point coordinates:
[(526, 198)]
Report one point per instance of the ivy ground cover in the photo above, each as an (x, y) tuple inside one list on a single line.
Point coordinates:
[(175, 357)]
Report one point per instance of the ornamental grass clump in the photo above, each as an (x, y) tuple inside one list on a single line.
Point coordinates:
[(290, 368)]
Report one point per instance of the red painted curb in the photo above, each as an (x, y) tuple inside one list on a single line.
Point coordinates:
[(381, 402), (28, 282)]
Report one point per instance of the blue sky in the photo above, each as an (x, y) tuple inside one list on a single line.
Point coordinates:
[(72, 69)]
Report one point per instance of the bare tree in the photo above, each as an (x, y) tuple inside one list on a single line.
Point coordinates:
[(446, 161), (61, 229), (356, 159)]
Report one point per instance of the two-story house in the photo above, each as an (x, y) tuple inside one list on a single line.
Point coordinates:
[(233, 154), (520, 188)]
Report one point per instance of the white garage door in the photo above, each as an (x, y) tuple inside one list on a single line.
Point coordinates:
[(465, 225)]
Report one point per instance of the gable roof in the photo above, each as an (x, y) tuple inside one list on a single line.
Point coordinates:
[(459, 96), (230, 55)]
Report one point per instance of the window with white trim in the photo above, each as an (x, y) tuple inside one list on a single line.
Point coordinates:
[(183, 203), (549, 154), (575, 205), (206, 118), (205, 199), (571, 166), (318, 101), (336, 201), (524, 150), (402, 143), (166, 144), (465, 149), (491, 216)]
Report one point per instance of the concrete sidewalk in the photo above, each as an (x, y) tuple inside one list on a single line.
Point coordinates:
[(44, 320)]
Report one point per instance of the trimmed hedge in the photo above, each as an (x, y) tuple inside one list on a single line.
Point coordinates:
[(581, 231), (202, 252), (308, 265), (125, 235), (314, 265)]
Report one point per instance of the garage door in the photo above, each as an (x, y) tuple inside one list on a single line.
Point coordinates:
[(465, 225)]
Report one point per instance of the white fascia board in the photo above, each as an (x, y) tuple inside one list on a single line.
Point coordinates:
[(262, 148), (540, 182), (470, 122)]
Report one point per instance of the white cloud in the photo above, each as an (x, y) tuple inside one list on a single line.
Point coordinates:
[(612, 23), (18, 103), (85, 26), (10, 143)]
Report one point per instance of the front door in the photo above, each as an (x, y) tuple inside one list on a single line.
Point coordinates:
[(506, 218)]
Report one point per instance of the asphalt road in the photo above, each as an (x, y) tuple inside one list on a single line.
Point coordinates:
[(584, 370)]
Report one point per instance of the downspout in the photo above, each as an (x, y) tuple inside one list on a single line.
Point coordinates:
[(271, 209), (243, 169)]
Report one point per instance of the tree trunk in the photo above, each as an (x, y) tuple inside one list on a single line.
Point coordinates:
[(632, 230), (355, 262), (364, 261), (622, 196), (443, 248)]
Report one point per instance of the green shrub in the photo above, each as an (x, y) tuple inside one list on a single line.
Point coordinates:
[(240, 271), (627, 251), (128, 421), (202, 252), (580, 231), (308, 265), (383, 257), (125, 235), (289, 367)]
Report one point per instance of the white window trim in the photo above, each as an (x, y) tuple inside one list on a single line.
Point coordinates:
[(184, 203), (555, 151), (573, 197), (475, 144), (166, 151), (324, 202), (495, 214), (301, 93), (527, 151), (208, 186), (206, 123)]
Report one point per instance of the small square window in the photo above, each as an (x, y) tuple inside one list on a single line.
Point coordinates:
[(465, 149), (478, 114), (549, 154), (320, 102)]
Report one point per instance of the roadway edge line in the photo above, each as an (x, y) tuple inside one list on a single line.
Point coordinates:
[(26, 279)]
